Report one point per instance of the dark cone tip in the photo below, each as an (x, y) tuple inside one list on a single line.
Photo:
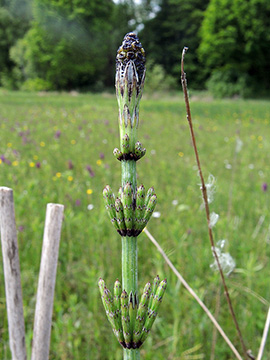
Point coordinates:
[(131, 49)]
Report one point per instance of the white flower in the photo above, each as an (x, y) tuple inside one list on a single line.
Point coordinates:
[(90, 207), (175, 202)]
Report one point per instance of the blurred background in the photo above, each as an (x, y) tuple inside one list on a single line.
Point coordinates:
[(58, 129), (71, 45)]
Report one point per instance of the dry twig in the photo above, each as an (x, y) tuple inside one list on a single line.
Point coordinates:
[(206, 204)]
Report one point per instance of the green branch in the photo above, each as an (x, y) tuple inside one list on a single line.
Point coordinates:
[(130, 211)]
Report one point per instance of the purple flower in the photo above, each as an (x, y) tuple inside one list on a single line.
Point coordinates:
[(101, 155), (264, 187), (70, 165), (38, 165), (78, 202), (2, 157), (24, 140), (89, 169), (20, 228), (57, 134)]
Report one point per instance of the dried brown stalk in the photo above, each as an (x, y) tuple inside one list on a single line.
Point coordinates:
[(206, 204)]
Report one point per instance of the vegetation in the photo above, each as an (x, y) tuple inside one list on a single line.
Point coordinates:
[(57, 148), (234, 46), (70, 45), (176, 25)]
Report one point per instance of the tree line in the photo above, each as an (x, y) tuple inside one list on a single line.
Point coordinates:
[(71, 44)]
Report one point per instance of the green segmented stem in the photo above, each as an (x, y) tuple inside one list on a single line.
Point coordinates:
[(129, 81), (128, 169), (127, 331), (139, 150), (120, 193), (154, 290), (129, 243), (149, 194), (152, 312), (109, 200), (111, 312), (130, 211), (125, 144), (117, 296), (133, 307), (128, 200), (132, 354), (150, 207), (127, 132), (117, 153), (141, 314), (140, 207), (130, 319), (120, 215), (129, 264)]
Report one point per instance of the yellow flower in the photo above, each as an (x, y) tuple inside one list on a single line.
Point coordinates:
[(9, 144), (58, 174), (15, 163), (0, 161), (89, 191), (73, 142), (32, 164), (260, 138), (70, 178), (181, 154), (42, 144), (99, 162)]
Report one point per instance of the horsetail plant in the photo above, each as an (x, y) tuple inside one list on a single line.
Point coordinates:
[(130, 211)]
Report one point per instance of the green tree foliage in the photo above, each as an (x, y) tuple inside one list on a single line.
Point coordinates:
[(71, 43), (176, 24), (15, 16), (235, 46)]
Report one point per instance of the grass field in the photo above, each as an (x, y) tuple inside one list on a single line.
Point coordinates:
[(58, 148)]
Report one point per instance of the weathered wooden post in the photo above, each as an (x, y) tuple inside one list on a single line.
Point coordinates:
[(46, 282), (12, 275)]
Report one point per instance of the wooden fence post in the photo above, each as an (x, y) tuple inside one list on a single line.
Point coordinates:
[(12, 275), (46, 282)]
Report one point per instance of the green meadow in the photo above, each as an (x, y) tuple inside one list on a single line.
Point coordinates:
[(57, 147)]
